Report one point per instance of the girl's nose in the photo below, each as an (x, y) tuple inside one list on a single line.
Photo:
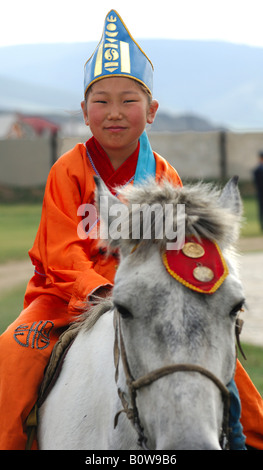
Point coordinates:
[(115, 112)]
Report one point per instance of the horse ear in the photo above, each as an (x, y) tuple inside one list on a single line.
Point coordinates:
[(107, 206), (104, 199), (230, 197)]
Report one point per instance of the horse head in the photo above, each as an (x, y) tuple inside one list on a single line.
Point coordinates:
[(175, 304)]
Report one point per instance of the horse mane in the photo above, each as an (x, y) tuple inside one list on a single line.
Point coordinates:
[(92, 312), (205, 216)]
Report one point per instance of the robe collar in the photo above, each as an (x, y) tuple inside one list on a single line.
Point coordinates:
[(103, 167)]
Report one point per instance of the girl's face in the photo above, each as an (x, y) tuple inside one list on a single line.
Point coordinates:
[(117, 110)]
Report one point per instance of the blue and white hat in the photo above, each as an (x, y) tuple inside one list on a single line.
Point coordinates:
[(118, 55)]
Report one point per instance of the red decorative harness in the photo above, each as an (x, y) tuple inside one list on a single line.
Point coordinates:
[(199, 265)]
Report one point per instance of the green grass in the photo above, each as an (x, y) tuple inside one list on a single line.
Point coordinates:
[(18, 227), (253, 364), (251, 227), (11, 305)]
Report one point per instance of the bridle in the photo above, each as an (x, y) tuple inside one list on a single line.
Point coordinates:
[(130, 405)]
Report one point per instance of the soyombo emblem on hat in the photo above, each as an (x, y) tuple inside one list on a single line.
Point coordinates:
[(112, 53), (118, 54)]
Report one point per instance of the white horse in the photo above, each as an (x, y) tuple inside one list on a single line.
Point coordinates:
[(149, 366)]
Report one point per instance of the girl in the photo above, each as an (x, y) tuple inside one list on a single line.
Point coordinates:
[(68, 269)]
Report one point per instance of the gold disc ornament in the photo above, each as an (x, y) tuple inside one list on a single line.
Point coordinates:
[(193, 250), (203, 274)]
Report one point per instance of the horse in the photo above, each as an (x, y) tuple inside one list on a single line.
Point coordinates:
[(150, 364)]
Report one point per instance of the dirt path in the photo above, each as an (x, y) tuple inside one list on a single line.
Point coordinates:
[(14, 273), (251, 273)]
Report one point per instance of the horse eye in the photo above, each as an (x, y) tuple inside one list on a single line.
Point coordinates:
[(238, 307), (123, 311)]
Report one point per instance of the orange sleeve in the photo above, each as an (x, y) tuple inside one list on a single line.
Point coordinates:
[(64, 258), (251, 408), (165, 170)]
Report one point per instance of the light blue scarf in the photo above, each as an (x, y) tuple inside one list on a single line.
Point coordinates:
[(146, 165)]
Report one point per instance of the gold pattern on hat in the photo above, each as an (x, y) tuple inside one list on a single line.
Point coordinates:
[(203, 274), (193, 250), (98, 64), (111, 19), (111, 27), (112, 51), (125, 57), (111, 54)]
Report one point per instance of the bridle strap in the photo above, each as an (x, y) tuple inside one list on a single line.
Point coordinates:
[(166, 370), (134, 385), (238, 328)]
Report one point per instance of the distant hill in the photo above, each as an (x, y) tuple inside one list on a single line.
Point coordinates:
[(166, 122), (221, 83)]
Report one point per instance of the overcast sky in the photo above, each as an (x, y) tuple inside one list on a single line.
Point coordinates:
[(29, 21)]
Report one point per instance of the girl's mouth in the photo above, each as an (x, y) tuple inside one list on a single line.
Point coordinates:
[(115, 128)]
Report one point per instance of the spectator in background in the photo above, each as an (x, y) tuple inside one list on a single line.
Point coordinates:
[(258, 180)]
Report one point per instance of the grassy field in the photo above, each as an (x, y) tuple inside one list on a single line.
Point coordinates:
[(11, 304), (19, 224), (253, 364), (251, 227)]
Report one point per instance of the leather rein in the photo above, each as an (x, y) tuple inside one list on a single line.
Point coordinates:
[(130, 405)]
